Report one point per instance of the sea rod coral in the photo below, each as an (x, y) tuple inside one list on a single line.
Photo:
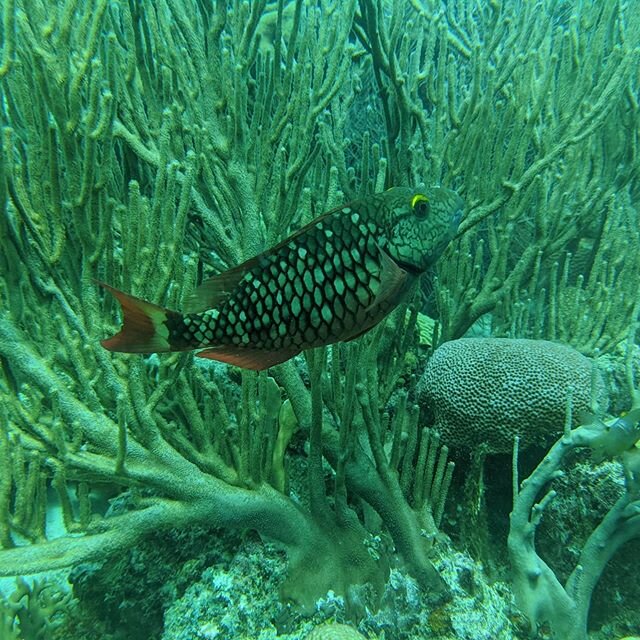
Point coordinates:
[(123, 169)]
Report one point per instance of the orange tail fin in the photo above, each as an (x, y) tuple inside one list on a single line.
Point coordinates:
[(144, 329)]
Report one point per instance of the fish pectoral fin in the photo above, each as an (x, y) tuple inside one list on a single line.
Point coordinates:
[(394, 283), (254, 359)]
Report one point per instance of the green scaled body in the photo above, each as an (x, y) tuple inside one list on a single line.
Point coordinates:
[(330, 281)]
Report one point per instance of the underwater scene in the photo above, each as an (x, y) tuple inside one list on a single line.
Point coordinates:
[(319, 319)]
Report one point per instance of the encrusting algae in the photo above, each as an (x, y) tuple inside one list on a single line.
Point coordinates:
[(330, 281)]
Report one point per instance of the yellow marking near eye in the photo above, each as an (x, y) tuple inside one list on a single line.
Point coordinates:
[(418, 198)]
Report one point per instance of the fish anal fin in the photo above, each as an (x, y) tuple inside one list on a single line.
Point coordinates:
[(357, 335), (254, 359), (586, 417)]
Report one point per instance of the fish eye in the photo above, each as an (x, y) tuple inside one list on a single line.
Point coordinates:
[(420, 206)]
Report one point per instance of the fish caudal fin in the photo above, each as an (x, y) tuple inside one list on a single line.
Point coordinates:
[(144, 327)]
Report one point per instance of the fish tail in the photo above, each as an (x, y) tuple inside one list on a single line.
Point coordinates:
[(144, 327)]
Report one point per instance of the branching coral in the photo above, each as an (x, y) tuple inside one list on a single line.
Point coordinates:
[(536, 121), (538, 591), (33, 611)]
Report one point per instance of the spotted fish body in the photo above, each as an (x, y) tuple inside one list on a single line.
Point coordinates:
[(330, 281)]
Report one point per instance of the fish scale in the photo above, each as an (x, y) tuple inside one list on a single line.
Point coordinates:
[(313, 288), (330, 281)]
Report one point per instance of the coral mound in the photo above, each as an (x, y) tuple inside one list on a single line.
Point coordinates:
[(485, 391)]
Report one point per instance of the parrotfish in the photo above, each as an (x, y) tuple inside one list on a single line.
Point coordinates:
[(330, 281)]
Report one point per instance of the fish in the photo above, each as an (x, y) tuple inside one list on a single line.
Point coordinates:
[(612, 438), (330, 281)]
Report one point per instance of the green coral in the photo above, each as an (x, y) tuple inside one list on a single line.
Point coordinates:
[(141, 165), (34, 610), (485, 392), (541, 595), (150, 146)]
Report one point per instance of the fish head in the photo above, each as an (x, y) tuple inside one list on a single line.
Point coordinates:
[(420, 224)]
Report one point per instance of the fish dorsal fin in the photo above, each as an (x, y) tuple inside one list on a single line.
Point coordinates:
[(255, 359), (309, 225), (215, 291)]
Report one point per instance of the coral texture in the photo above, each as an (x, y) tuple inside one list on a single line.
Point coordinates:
[(486, 391), (335, 632)]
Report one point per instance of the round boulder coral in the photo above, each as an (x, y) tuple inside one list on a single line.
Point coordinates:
[(486, 391)]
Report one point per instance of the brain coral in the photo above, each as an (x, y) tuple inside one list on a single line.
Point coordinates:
[(488, 390)]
